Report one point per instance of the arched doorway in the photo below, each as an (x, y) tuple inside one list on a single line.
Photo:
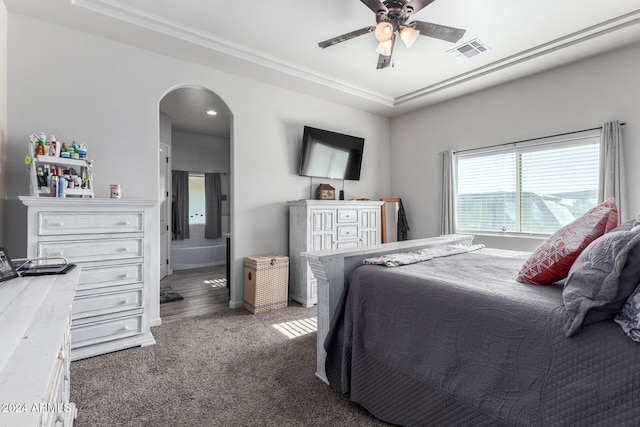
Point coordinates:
[(195, 160)]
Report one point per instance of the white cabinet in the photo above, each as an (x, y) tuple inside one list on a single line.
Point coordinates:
[(326, 224), (35, 317), (110, 239)]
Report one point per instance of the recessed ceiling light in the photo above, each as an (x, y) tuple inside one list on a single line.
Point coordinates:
[(212, 112)]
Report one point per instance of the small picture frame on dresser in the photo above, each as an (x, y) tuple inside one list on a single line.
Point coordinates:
[(7, 269)]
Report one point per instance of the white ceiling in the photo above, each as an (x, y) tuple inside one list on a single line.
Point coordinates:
[(275, 41)]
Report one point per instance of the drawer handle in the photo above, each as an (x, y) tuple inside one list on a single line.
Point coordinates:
[(125, 302), (57, 224), (123, 250), (124, 276), (59, 253), (125, 328), (125, 223)]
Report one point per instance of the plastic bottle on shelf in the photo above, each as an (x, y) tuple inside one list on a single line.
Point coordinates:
[(40, 148), (54, 186), (62, 186), (54, 146)]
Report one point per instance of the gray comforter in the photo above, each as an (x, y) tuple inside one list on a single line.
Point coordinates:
[(457, 341)]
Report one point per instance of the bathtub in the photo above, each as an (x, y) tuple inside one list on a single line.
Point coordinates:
[(196, 251), (184, 258)]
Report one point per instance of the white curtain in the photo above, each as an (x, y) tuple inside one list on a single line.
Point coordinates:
[(447, 215), (611, 167)]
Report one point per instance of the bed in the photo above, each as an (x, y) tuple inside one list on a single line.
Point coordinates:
[(420, 345)]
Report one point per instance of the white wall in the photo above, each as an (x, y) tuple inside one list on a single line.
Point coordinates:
[(574, 97), (3, 116), (80, 86)]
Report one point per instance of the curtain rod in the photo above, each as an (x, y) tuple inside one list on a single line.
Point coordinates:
[(199, 172), (529, 140)]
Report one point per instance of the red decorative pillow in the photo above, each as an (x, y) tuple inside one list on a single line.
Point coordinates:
[(552, 260)]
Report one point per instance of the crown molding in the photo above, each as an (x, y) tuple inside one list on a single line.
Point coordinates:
[(158, 24), (131, 15), (574, 39)]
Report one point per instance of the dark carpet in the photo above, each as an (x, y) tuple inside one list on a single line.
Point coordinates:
[(168, 294), (226, 369)]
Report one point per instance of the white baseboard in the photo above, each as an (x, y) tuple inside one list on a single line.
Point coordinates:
[(236, 304)]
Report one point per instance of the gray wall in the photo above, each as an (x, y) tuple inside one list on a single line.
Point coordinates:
[(574, 97), (3, 118), (202, 153), (75, 85)]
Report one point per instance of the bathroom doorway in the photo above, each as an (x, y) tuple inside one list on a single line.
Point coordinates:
[(195, 186)]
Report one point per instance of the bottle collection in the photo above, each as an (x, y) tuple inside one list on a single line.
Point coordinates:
[(59, 178), (56, 177), (52, 147)]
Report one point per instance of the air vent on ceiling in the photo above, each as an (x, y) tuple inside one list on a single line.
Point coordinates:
[(468, 50)]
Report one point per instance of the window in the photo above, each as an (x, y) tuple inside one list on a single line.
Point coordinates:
[(196, 199), (529, 189)]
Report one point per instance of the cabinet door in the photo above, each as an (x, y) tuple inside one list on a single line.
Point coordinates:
[(369, 227), (322, 229)]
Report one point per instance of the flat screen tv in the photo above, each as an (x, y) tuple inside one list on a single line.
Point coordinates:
[(331, 155)]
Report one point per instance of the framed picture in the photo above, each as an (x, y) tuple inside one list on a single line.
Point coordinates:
[(7, 269)]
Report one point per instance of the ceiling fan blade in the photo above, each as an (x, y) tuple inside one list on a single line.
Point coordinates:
[(376, 6), (418, 5), (345, 37), (437, 31), (385, 60)]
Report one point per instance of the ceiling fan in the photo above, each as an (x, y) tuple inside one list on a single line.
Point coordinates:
[(391, 18)]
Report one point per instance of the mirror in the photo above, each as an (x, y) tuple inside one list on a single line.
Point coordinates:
[(389, 218)]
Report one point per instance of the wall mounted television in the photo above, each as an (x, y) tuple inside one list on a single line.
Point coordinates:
[(331, 155)]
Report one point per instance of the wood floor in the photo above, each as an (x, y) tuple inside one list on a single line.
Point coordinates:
[(204, 291)]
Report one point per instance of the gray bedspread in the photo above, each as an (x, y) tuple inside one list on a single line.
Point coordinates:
[(457, 341)]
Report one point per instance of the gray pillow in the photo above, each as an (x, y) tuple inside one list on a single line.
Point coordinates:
[(601, 279), (626, 226)]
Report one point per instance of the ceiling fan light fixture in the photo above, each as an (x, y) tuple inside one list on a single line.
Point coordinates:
[(409, 36), (384, 48), (384, 32)]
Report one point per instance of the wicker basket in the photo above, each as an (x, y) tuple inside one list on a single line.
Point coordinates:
[(266, 283)]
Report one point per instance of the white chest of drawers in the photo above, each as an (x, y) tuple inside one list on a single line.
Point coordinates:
[(326, 224), (110, 239), (35, 317)]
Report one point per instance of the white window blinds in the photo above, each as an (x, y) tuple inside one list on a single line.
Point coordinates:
[(531, 189)]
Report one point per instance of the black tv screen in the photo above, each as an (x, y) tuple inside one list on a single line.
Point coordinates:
[(332, 155)]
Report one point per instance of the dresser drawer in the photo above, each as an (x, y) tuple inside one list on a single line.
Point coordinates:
[(106, 303), (347, 216), (347, 232), (113, 275), (92, 250), (100, 332), (58, 223), (55, 393)]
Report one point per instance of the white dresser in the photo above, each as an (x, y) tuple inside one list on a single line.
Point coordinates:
[(35, 317), (326, 224), (110, 239)]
